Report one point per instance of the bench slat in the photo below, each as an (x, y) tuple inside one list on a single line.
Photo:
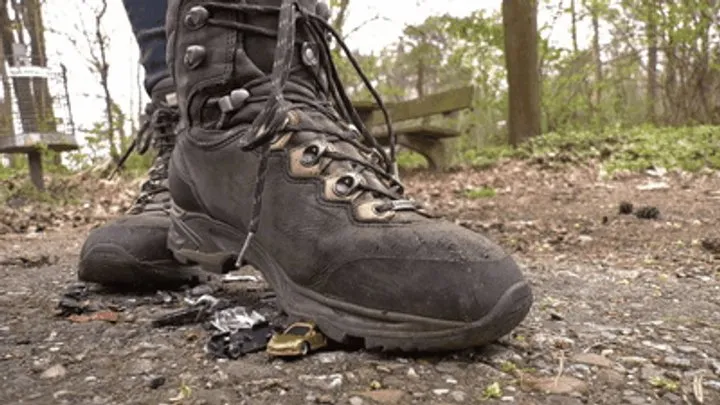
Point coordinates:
[(429, 131), (434, 104)]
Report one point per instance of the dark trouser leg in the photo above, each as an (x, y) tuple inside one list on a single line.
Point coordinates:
[(147, 18)]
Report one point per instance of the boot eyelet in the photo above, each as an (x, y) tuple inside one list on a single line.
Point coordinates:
[(197, 17), (194, 56), (309, 55), (312, 154), (346, 185)]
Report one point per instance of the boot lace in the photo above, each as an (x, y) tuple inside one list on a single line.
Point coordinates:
[(277, 112), (157, 131)]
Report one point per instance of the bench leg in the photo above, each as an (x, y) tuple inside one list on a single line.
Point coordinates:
[(36, 170), (434, 150)]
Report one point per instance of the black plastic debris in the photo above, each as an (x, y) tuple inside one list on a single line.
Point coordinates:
[(199, 311), (74, 301), (626, 208), (648, 213), (233, 345)]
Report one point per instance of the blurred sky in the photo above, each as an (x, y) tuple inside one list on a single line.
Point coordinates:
[(381, 22)]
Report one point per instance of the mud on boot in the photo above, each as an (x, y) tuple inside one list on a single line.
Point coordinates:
[(274, 166), (131, 252)]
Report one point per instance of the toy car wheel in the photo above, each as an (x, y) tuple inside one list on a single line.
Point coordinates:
[(305, 349)]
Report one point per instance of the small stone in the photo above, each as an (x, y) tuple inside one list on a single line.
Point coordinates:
[(611, 378), (356, 401), (677, 362), (330, 357), (634, 360), (688, 349), (561, 386), (712, 384), (507, 399), (56, 371), (324, 382), (448, 368), (563, 343), (673, 398), (715, 367), (458, 396), (91, 379), (412, 373), (562, 400), (635, 400), (658, 346), (556, 316), (649, 372), (441, 391), (392, 381), (62, 394), (156, 382), (585, 239), (325, 399), (386, 397), (593, 360), (580, 369), (40, 365), (141, 366)]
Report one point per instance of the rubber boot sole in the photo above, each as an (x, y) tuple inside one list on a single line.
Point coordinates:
[(112, 266), (197, 238)]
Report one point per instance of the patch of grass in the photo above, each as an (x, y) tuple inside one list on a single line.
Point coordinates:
[(411, 160), (482, 192), (665, 384), (19, 190), (492, 391), (508, 367), (489, 156)]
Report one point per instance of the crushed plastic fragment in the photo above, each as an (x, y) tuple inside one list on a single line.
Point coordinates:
[(198, 311), (233, 319), (235, 278)]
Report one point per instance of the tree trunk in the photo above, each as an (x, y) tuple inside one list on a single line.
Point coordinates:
[(521, 59), (652, 69), (41, 92), (573, 28), (597, 99), (103, 69), (339, 21)]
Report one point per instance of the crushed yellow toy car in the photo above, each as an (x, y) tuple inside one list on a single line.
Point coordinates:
[(298, 339)]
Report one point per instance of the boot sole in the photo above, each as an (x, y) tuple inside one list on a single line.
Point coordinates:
[(197, 238), (112, 266)]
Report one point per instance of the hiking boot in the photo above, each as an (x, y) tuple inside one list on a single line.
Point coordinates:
[(274, 168), (131, 252)]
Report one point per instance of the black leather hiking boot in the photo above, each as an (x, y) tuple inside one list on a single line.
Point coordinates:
[(131, 252), (274, 168)]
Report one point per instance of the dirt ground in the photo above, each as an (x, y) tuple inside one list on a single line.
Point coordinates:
[(627, 310)]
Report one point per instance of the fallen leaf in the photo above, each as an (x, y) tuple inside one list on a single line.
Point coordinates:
[(105, 316)]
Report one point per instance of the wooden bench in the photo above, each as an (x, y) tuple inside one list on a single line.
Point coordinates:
[(425, 139), (28, 126)]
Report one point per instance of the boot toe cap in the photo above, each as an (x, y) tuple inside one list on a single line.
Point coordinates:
[(447, 273)]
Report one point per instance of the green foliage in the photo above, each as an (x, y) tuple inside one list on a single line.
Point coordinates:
[(632, 149), (16, 188), (479, 193), (411, 160)]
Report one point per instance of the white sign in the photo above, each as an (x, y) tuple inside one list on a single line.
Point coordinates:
[(28, 71)]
